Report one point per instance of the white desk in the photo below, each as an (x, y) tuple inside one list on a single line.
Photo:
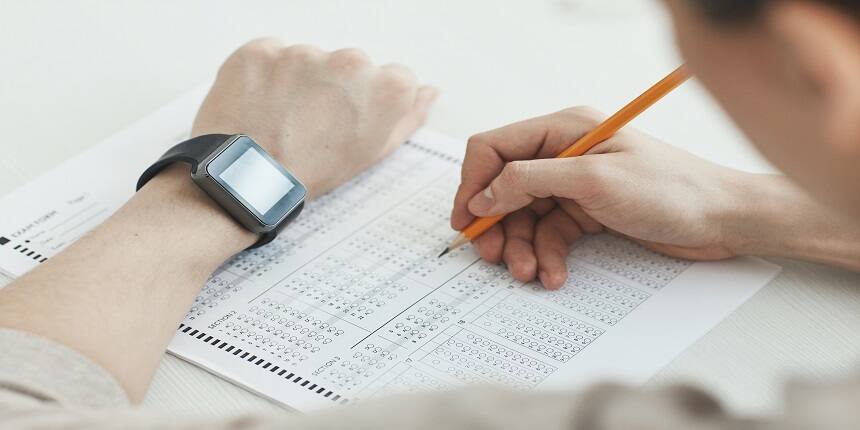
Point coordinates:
[(74, 72)]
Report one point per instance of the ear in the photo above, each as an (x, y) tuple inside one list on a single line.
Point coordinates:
[(826, 44)]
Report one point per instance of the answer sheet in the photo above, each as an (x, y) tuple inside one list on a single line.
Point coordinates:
[(351, 301)]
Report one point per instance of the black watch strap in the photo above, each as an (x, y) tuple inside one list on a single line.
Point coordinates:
[(193, 151)]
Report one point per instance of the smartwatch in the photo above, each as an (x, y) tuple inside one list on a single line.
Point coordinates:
[(242, 178)]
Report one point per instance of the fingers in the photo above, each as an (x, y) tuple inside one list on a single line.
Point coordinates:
[(481, 164), (349, 60), (553, 236), (491, 244), (487, 153), (542, 207), (399, 80), (299, 57), (407, 102), (532, 247), (521, 182), (583, 220), (518, 253), (541, 137), (264, 47)]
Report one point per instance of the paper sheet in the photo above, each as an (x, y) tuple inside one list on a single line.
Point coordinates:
[(350, 302)]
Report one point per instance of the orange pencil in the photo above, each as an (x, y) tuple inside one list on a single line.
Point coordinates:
[(602, 132)]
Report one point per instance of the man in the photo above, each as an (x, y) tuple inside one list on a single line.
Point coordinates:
[(784, 70)]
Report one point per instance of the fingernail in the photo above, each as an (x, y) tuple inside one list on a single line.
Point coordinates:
[(482, 202), (544, 278)]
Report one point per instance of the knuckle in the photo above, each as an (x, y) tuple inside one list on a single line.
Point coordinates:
[(262, 45), (587, 113), (476, 143), (298, 53), (349, 58), (397, 78), (514, 174), (255, 51)]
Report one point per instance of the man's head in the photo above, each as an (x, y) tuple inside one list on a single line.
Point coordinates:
[(788, 72)]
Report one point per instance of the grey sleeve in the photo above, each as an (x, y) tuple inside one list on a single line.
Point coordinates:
[(45, 385), (36, 370)]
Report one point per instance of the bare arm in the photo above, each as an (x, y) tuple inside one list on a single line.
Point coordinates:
[(118, 294)]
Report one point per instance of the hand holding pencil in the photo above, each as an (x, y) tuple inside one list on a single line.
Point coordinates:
[(533, 207)]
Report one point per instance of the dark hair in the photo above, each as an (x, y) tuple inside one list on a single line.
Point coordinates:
[(742, 10)]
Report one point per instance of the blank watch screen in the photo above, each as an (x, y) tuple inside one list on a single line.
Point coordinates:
[(256, 180)]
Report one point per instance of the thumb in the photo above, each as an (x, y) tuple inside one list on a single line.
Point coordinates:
[(521, 182)]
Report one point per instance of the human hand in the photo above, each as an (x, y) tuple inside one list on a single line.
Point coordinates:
[(667, 199), (325, 115)]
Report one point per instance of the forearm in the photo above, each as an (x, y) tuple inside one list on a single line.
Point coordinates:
[(774, 217), (118, 294)]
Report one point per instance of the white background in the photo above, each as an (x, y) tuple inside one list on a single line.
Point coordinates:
[(74, 72)]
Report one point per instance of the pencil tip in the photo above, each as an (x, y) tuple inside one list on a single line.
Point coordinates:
[(444, 252)]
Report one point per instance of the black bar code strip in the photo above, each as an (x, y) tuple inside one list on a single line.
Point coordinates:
[(262, 364)]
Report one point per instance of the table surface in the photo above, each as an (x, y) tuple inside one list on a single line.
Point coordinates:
[(68, 83)]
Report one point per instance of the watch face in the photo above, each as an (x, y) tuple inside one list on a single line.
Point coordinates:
[(256, 181)]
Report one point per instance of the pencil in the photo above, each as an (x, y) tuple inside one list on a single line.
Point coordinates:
[(602, 132)]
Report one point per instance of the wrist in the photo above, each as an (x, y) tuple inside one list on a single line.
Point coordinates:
[(773, 217), (303, 162), (300, 167), (172, 202), (757, 222)]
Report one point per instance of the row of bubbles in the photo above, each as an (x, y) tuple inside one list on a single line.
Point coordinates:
[(629, 260), (473, 358), (594, 295)]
